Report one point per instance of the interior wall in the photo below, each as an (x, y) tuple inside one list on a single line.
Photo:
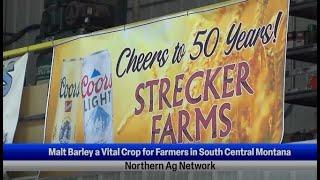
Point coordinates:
[(20, 14), (301, 118)]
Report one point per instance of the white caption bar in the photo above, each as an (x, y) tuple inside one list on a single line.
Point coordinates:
[(154, 165)]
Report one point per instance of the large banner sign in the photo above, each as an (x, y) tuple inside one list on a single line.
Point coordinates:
[(209, 75), (13, 79)]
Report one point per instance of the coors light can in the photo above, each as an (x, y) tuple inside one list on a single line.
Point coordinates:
[(96, 87), (69, 102)]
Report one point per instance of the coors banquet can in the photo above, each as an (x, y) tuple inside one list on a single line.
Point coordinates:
[(69, 102), (96, 87)]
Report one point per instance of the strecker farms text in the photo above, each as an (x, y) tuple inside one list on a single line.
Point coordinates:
[(232, 74)]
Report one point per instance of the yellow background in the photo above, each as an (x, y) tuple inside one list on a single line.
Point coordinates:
[(255, 118)]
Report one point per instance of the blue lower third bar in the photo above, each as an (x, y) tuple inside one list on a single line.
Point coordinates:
[(160, 152)]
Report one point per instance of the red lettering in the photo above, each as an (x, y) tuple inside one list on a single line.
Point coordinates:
[(137, 111), (106, 83), (242, 78), (227, 81), (95, 85), (205, 122), (90, 88), (208, 85), (177, 89), (84, 83), (154, 129), (110, 82), (163, 93), (168, 131), (226, 121), (150, 84), (189, 98), (97, 88), (182, 129)]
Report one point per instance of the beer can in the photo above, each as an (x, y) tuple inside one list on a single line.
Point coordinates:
[(96, 88), (69, 102)]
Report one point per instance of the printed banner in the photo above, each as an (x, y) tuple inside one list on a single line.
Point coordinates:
[(208, 75), (13, 79), (65, 126)]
